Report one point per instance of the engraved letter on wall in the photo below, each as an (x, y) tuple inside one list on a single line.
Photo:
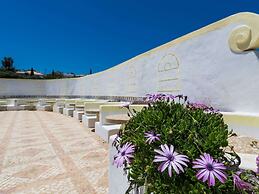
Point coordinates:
[(168, 74)]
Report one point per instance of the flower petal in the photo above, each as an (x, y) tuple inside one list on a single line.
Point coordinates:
[(160, 152), (164, 166), (221, 176), (201, 173), (175, 168), (179, 166), (211, 181), (219, 166), (160, 159), (205, 176), (170, 170)]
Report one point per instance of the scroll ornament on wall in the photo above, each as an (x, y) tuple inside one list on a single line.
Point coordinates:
[(244, 38)]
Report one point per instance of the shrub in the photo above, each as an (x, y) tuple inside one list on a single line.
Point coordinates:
[(195, 132)]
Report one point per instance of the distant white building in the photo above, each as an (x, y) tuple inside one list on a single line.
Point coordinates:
[(28, 72), (68, 75)]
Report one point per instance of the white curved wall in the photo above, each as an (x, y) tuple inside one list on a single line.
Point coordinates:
[(200, 65), (17, 87)]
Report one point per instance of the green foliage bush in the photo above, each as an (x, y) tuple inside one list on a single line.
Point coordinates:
[(192, 131), (7, 74)]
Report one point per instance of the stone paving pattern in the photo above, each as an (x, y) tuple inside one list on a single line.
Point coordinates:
[(243, 144), (46, 152)]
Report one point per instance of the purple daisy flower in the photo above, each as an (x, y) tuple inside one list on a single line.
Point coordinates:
[(150, 97), (202, 106), (240, 184), (152, 137), (209, 169), (170, 159), (159, 97), (125, 153)]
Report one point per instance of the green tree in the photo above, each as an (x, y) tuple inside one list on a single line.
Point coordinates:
[(7, 64), (54, 75), (32, 72)]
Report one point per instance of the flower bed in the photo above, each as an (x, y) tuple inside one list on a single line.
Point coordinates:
[(174, 146)]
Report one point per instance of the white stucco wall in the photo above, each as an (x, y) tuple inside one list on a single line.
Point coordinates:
[(201, 66), (15, 87)]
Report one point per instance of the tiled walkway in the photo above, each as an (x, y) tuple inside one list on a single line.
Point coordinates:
[(45, 152)]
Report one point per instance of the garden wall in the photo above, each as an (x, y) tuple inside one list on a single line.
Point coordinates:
[(210, 65)]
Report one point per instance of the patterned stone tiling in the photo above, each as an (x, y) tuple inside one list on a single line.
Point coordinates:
[(59, 186), (80, 145), (70, 136), (43, 152), (27, 141), (242, 144), (98, 179), (30, 172), (27, 154), (5, 123), (91, 159), (94, 166)]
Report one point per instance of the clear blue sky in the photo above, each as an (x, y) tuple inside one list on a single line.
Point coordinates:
[(75, 35)]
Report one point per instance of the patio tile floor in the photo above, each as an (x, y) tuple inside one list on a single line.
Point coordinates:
[(46, 152)]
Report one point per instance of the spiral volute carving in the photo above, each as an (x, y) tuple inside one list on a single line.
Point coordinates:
[(243, 38)]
